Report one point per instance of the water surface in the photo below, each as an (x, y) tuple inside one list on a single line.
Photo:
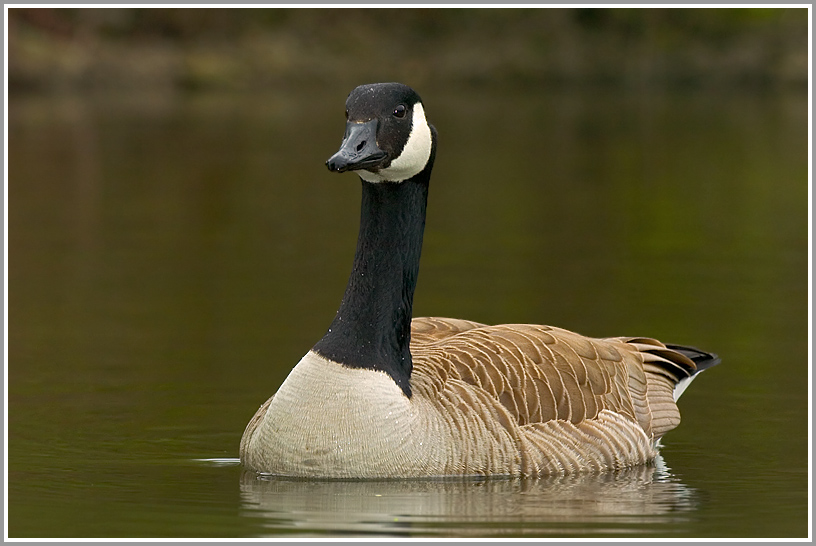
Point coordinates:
[(171, 258)]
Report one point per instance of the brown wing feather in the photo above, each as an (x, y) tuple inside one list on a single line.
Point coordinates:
[(430, 329), (542, 373)]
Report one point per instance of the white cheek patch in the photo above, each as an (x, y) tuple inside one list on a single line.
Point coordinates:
[(414, 155)]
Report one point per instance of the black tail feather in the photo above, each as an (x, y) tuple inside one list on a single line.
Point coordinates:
[(701, 359)]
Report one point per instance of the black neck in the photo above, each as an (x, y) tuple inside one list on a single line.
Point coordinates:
[(372, 328)]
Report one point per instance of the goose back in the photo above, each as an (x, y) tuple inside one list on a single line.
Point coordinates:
[(569, 402)]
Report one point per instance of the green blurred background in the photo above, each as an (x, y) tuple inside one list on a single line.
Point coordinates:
[(254, 48)]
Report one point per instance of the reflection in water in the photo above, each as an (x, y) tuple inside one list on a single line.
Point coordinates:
[(627, 501)]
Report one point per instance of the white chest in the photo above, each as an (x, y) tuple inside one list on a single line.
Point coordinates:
[(333, 421)]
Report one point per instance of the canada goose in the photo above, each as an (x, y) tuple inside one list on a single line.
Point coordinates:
[(385, 396)]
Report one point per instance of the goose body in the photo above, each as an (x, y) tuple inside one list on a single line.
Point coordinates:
[(385, 395)]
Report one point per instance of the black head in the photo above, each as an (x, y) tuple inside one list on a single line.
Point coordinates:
[(387, 137)]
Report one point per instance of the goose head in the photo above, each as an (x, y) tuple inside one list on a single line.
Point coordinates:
[(387, 137)]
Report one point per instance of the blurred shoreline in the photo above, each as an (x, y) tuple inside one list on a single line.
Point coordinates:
[(214, 49)]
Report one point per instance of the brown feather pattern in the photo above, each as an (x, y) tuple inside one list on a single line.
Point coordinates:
[(567, 401)]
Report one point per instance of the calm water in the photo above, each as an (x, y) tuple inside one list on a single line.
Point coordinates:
[(171, 258)]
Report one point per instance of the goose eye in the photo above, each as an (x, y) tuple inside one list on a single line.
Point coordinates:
[(400, 110), (346, 115)]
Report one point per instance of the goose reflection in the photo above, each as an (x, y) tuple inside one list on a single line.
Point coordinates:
[(637, 499)]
